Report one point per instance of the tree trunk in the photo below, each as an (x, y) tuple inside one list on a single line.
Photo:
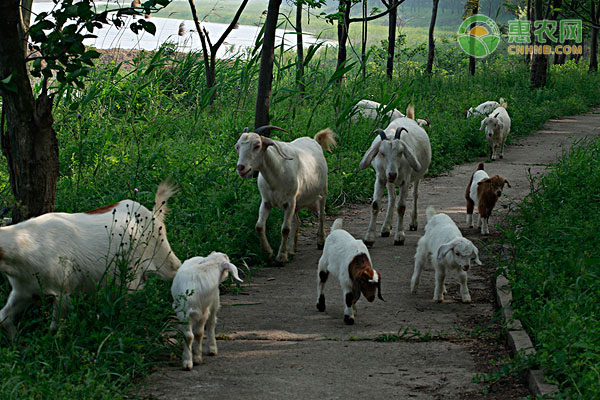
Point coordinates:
[(539, 65), (472, 60), (265, 75), (363, 53), (595, 17), (393, 17), (299, 49), (343, 27), (28, 142), (431, 54)]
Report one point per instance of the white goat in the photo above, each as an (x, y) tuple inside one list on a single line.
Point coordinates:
[(483, 192), (486, 108), (371, 109), (293, 176), (444, 247), (349, 260), (195, 292), (497, 128), (400, 156), (58, 254)]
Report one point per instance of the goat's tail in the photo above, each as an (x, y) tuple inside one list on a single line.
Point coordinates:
[(337, 224), (163, 193), (480, 167), (430, 212), (503, 103), (410, 111), (326, 138)]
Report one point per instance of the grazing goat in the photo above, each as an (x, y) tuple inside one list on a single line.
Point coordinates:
[(483, 192), (58, 254), (195, 292), (293, 176), (349, 260), (485, 109), (497, 128), (371, 109), (400, 156), (444, 247)]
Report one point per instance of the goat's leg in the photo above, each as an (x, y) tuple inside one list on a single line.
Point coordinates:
[(294, 242), (369, 237), (400, 236), (199, 322), (386, 228), (485, 230), (440, 281), (263, 214), (322, 275), (59, 309), (464, 290), (470, 208), (502, 147), (349, 306), (15, 304), (414, 224), (186, 358), (288, 209), (321, 231), (420, 261), (212, 323)]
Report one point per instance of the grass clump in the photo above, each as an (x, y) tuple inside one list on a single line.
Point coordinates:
[(555, 270)]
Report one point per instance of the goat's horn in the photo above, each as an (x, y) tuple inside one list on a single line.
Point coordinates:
[(268, 127), (379, 291), (245, 130), (381, 133), (399, 132)]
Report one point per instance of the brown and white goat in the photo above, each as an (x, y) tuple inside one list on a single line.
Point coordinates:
[(483, 192), (349, 260)]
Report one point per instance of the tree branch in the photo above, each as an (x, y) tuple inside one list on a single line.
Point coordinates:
[(373, 17), (230, 27)]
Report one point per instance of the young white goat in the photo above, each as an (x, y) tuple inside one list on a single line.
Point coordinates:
[(444, 247), (371, 110), (497, 128), (485, 109), (400, 156), (349, 260), (293, 176), (58, 254), (483, 192), (195, 292)]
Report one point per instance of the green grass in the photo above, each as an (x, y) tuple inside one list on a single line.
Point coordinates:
[(555, 270), (132, 128)]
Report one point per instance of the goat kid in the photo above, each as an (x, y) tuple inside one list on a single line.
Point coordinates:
[(292, 176), (195, 292), (445, 248), (486, 108), (483, 192), (497, 128), (58, 254), (371, 110), (400, 156), (349, 260)]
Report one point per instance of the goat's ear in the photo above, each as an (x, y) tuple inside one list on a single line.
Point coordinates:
[(506, 182), (486, 180), (270, 142), (356, 290), (412, 159), (477, 260), (227, 266), (369, 155), (500, 125), (444, 249), (483, 122)]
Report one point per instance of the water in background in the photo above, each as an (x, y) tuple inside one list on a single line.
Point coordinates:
[(238, 41)]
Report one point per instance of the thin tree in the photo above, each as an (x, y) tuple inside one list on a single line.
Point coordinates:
[(265, 74), (431, 53), (392, 19), (539, 64), (299, 48), (595, 19), (209, 50), (363, 52)]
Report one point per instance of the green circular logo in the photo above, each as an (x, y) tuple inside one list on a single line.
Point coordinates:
[(478, 36)]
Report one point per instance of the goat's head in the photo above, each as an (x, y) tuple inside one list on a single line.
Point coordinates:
[(492, 126), (390, 151), (251, 148), (469, 113), (495, 184), (461, 252), (365, 279)]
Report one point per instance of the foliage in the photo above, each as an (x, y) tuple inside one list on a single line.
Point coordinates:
[(555, 270)]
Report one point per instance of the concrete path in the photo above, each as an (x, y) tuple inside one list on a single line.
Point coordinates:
[(276, 345)]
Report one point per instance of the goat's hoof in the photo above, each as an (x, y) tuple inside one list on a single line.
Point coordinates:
[(385, 234), (213, 352), (321, 304), (466, 299), (348, 320), (320, 246), (278, 263), (412, 227), (198, 360), (187, 365), (368, 243), (501, 157), (399, 242), (438, 300)]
